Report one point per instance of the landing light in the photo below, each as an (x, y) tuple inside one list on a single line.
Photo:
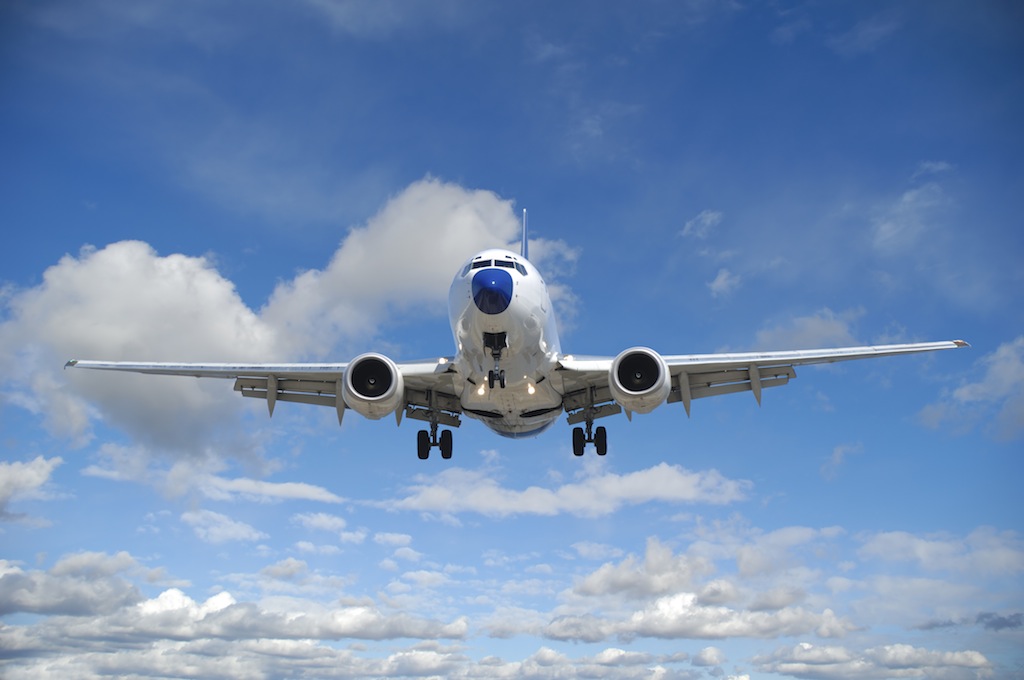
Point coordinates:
[(481, 390), (529, 388)]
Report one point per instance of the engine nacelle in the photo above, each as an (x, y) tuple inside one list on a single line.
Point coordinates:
[(639, 380), (373, 386)]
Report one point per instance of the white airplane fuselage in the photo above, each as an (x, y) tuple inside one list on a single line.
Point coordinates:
[(507, 344)]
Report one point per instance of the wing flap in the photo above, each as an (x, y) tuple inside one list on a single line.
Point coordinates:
[(297, 397), (703, 385)]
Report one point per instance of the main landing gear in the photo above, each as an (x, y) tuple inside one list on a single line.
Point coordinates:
[(581, 437), (428, 440)]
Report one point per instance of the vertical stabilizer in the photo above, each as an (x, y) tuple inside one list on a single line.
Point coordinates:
[(524, 248)]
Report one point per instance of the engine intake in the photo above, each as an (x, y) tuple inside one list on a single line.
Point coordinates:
[(373, 386), (639, 380)]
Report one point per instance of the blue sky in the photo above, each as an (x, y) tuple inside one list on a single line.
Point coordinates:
[(285, 182)]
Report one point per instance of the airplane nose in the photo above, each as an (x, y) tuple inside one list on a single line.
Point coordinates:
[(492, 290)]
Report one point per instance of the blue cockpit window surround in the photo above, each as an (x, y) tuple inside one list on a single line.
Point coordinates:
[(492, 290)]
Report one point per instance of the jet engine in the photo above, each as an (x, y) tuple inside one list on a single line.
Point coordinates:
[(639, 380), (373, 386)]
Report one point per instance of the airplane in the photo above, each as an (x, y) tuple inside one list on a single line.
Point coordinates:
[(509, 371)]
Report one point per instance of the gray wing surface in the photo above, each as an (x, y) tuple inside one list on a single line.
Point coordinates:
[(695, 376), (428, 383)]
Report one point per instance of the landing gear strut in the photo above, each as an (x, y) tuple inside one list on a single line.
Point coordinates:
[(428, 440), (496, 342), (581, 437)]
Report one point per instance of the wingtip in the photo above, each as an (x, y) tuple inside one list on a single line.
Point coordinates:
[(71, 363), (961, 343)]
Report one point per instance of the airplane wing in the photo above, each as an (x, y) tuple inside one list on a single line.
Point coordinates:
[(694, 376), (428, 383)]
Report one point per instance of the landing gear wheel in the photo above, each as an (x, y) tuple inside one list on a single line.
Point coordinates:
[(496, 377), (423, 445), (446, 444), (579, 441), (601, 441)]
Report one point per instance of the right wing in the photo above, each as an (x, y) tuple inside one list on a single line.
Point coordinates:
[(428, 393), (694, 376)]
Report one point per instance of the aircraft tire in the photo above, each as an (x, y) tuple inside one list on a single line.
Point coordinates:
[(579, 441), (423, 445), (601, 441), (446, 444)]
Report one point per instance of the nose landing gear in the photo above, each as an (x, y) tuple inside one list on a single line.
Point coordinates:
[(496, 342), (496, 376)]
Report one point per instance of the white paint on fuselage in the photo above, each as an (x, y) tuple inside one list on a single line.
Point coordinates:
[(528, 360)]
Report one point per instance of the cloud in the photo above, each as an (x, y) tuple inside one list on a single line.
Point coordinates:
[(219, 488), (830, 468), (458, 490), (865, 37), (724, 283), (905, 224), (665, 595), (805, 660), (825, 328), (24, 480), (286, 569), (709, 656), (681, 615), (392, 539), (214, 527), (425, 233), (659, 572), (80, 584), (125, 302), (320, 521), (381, 18), (992, 621), (595, 551), (983, 551), (925, 168), (997, 397), (773, 552), (702, 225)]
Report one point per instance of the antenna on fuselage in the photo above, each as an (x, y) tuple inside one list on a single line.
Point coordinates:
[(524, 248)]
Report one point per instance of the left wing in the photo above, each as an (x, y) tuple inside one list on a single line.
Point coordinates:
[(694, 376), (428, 384)]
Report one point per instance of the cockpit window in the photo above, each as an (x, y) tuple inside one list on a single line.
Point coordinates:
[(506, 264)]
